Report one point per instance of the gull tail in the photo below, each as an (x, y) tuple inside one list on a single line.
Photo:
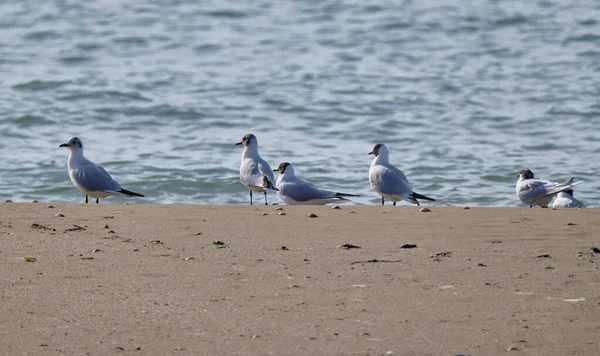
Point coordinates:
[(568, 185), (130, 193), (419, 196), (342, 195), (570, 182), (267, 184)]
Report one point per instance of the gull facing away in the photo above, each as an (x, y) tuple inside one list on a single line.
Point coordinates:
[(565, 199), (388, 181), (90, 178), (532, 191), (295, 191), (255, 172)]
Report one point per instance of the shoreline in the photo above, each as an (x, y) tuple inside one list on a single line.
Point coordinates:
[(480, 280)]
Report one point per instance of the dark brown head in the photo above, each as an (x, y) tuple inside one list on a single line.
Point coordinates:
[(526, 174), (74, 143), (282, 167), (247, 140), (376, 149)]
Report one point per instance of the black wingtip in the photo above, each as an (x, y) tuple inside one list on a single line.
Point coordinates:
[(419, 196), (267, 183), (130, 193), (340, 195)]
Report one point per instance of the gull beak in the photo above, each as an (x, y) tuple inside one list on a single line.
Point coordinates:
[(239, 143), (371, 153), (64, 145), (276, 170)]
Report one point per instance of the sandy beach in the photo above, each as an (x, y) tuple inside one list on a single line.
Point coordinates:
[(149, 279)]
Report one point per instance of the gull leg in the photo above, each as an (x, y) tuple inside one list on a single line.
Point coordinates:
[(266, 198), (86, 199), (250, 196), (382, 201)]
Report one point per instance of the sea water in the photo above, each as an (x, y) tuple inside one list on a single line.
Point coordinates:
[(464, 94)]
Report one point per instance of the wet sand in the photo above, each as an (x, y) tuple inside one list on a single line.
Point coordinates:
[(147, 279)]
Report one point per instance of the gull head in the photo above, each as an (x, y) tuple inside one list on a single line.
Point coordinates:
[(526, 174), (74, 144), (568, 191), (379, 148), (282, 168), (247, 140)]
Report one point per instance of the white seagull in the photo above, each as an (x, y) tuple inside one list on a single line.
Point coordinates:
[(255, 172), (388, 181), (295, 191), (90, 178), (565, 199), (532, 191)]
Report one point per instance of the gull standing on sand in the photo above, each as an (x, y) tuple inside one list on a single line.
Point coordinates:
[(532, 191), (255, 172), (295, 191), (388, 181), (565, 199), (90, 178)]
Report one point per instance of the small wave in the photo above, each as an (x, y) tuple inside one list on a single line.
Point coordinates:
[(571, 112), (70, 60), (36, 85), (541, 147), (208, 48), (31, 120), (131, 40), (228, 14), (394, 25), (588, 37), (89, 46), (43, 35), (588, 22), (497, 178), (513, 20), (370, 9), (103, 95)]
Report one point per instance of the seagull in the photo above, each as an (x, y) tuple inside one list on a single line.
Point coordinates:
[(565, 199), (255, 172), (388, 181), (532, 191), (90, 178), (295, 191)]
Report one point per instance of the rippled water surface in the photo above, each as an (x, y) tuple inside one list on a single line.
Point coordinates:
[(464, 94)]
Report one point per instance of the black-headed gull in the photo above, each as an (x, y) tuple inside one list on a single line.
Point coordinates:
[(255, 172), (388, 181), (532, 191), (295, 191), (565, 199), (91, 179)]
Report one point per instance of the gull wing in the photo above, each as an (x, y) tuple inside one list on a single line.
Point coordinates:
[(391, 181), (253, 173), (533, 189), (95, 178), (302, 191), (266, 171)]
